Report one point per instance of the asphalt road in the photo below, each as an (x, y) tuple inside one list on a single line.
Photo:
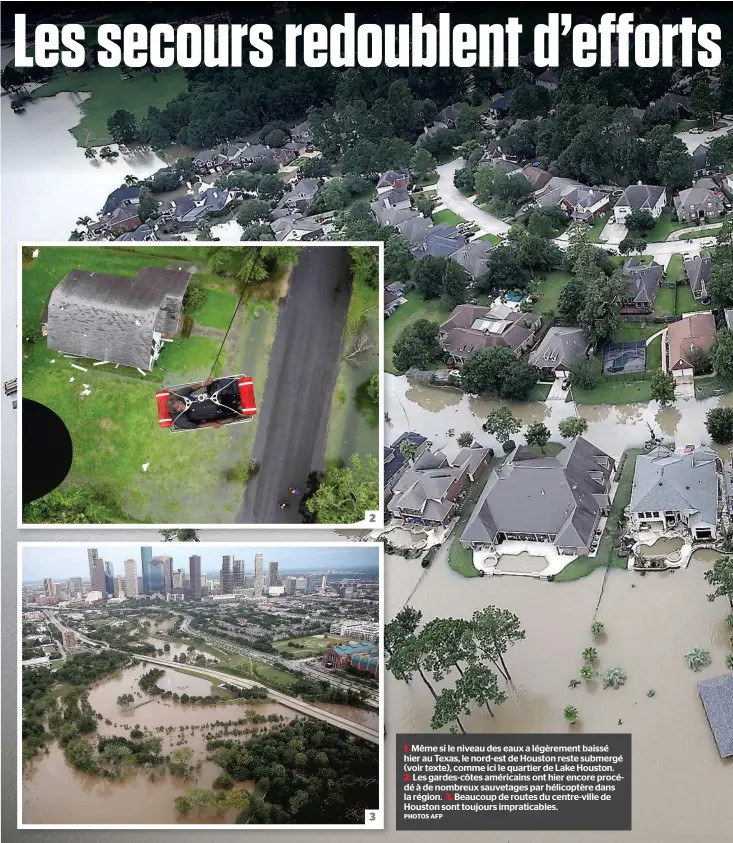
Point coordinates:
[(452, 198), (304, 363)]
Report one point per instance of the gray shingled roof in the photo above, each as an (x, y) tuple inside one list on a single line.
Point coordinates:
[(640, 197), (560, 345), (698, 271), (472, 257), (666, 481), (644, 280), (109, 317), (717, 698), (559, 496)]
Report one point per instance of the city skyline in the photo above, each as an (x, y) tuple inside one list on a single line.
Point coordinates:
[(69, 562)]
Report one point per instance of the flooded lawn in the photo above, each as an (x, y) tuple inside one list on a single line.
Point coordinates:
[(705, 555), (682, 787), (521, 563), (660, 548), (400, 537)]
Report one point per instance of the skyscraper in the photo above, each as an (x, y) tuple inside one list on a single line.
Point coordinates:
[(91, 556), (167, 573), (48, 586), (109, 578), (75, 587), (273, 573), (98, 579), (259, 575), (238, 575), (156, 574), (290, 583), (323, 582), (146, 554), (226, 575), (178, 578), (130, 578), (119, 586), (311, 583), (194, 576)]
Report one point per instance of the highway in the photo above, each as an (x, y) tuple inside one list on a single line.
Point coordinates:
[(301, 707)]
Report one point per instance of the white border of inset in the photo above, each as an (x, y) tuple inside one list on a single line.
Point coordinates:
[(378, 825), (367, 523)]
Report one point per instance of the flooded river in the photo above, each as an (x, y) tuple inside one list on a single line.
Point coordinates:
[(681, 786)]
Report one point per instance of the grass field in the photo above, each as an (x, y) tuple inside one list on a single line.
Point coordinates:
[(654, 355), (491, 238), (615, 391), (583, 565), (250, 668), (415, 309), (635, 331), (675, 268), (686, 302), (109, 92), (696, 235), (217, 309), (709, 387), (313, 645), (446, 215), (119, 447), (664, 227), (549, 289), (594, 233), (664, 302)]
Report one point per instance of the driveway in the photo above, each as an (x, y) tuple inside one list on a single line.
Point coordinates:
[(693, 141), (452, 198), (304, 363)]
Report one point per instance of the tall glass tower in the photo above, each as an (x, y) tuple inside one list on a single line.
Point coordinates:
[(146, 553)]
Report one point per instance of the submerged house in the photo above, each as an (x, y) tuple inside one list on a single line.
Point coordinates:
[(554, 500), (672, 490), (116, 319), (717, 699)]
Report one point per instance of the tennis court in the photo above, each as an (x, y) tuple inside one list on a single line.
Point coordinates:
[(624, 357)]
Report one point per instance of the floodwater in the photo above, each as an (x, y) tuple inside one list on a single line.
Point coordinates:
[(55, 793), (399, 537), (706, 556), (661, 547), (681, 786), (521, 563), (176, 649), (433, 411)]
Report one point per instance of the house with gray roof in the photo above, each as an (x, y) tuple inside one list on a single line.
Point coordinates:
[(397, 458), (184, 212), (140, 235), (650, 198), (644, 281), (438, 126), (717, 699), (302, 132), (440, 241), (210, 161), (397, 198), (255, 153), (116, 319), (470, 328), (429, 491), (729, 318), (500, 103), (390, 179), (449, 115), (559, 350), (551, 500), (296, 227), (548, 79), (673, 490), (414, 229), (393, 217), (700, 162), (697, 270), (680, 103), (472, 257), (125, 195), (698, 204), (301, 195)]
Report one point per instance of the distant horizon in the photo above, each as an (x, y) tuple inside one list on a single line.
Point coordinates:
[(62, 562)]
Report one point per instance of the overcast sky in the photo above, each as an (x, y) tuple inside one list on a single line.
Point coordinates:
[(61, 561)]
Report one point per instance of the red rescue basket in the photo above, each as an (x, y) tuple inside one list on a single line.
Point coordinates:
[(246, 411)]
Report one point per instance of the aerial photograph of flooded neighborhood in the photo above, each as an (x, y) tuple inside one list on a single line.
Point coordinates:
[(557, 308), (196, 684)]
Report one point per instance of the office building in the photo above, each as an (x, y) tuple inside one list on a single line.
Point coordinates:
[(91, 556), (159, 574), (178, 578), (273, 573), (109, 578), (195, 576), (259, 575), (312, 581), (69, 639), (76, 589), (323, 582), (238, 575), (290, 584), (300, 583), (225, 577), (48, 586), (98, 578), (204, 578), (146, 554), (131, 578), (358, 630), (119, 586)]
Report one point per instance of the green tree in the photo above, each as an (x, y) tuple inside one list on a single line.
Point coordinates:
[(663, 387), (148, 204), (468, 121), (570, 713), (465, 439), (448, 708), (722, 353), (494, 631), (571, 300), (538, 434), (597, 629), (720, 282), (122, 126), (252, 210), (194, 298), (270, 188), (501, 424), (428, 277), (417, 345), (397, 260), (590, 655), (425, 204), (496, 371), (586, 373), (465, 179), (719, 424), (675, 167), (347, 492), (601, 313), (702, 101), (720, 576), (422, 163), (631, 244), (573, 426), (455, 282), (698, 658), (640, 222)]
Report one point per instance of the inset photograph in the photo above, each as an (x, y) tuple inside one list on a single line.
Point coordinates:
[(200, 684), (192, 385)]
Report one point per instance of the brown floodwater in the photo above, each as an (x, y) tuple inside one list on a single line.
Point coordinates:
[(661, 547), (55, 793), (681, 786), (521, 563)]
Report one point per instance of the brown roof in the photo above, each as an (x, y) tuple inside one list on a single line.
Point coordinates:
[(693, 332), (460, 338), (537, 176)]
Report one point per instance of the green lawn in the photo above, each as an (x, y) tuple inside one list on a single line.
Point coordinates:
[(615, 391), (675, 268), (710, 387), (549, 289), (431, 178), (109, 92), (539, 393), (696, 235), (686, 302), (491, 238), (594, 232), (446, 215), (460, 558), (313, 645), (664, 227), (415, 309), (119, 448), (634, 331), (217, 309), (654, 355), (664, 302), (583, 565), (253, 669)]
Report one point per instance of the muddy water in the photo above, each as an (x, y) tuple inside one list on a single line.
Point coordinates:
[(358, 715), (176, 649), (55, 793), (681, 786), (661, 547), (433, 411), (522, 563), (705, 556)]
